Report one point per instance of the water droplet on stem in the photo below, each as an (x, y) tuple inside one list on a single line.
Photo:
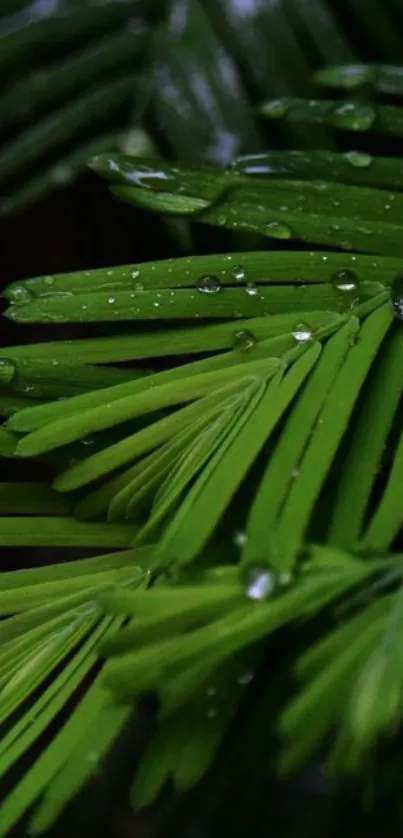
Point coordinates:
[(244, 340), (209, 284), (302, 332), (261, 582)]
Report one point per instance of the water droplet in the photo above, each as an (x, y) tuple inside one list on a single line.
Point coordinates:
[(156, 304), (88, 440), (302, 332), (49, 280), (261, 583), (62, 174), (397, 296), (353, 116), (243, 340), (251, 289), (345, 281), (111, 300), (295, 472), (19, 294), (359, 159), (245, 678), (7, 370), (134, 274), (238, 273), (209, 284), (278, 231), (356, 75), (240, 538), (276, 109)]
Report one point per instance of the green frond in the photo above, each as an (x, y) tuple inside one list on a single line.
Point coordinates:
[(233, 431)]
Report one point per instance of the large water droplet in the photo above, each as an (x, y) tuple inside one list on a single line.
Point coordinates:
[(19, 294), (345, 281), (135, 273), (238, 273), (278, 231), (359, 159), (261, 582), (111, 300), (244, 340), (209, 284), (7, 370), (251, 289), (276, 109), (348, 76), (302, 332), (397, 296), (353, 116)]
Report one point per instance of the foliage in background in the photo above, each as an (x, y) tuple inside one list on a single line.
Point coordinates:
[(232, 463)]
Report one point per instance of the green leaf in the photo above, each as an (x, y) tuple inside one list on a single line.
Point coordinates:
[(284, 463), (62, 532), (372, 425), (290, 530), (210, 495), (386, 521)]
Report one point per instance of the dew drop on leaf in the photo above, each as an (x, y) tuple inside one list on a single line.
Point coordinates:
[(135, 273), (243, 340), (397, 296), (19, 294), (261, 582), (276, 109), (358, 159), (350, 76), (302, 332), (49, 280), (238, 273), (251, 289), (345, 281), (353, 116), (111, 300), (209, 284), (278, 231)]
